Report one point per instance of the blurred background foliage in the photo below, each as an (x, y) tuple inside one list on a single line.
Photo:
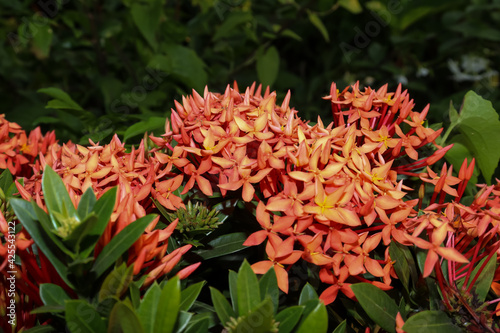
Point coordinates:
[(89, 68)]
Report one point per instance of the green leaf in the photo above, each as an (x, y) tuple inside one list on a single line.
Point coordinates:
[(268, 65), (189, 295), (225, 244), (198, 326), (351, 5), (120, 243), (49, 229), (56, 197), (150, 125), (117, 282), (168, 306), (123, 319), (247, 289), (430, 322), (453, 113), (147, 18), (222, 307), (342, 328), (26, 215), (233, 289), (86, 204), (149, 307), (458, 153), (182, 321), (288, 318), (6, 180), (259, 320), (380, 308), (229, 26), (49, 309), (52, 294), (81, 231), (184, 64), (61, 99), (82, 317), (307, 294), (268, 285), (483, 282), (42, 41), (316, 21), (405, 265), (316, 320), (103, 208), (479, 125)]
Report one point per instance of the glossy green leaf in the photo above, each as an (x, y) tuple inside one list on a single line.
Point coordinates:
[(259, 320), (483, 282), (480, 127), (168, 306), (119, 244), (52, 294), (342, 328), (316, 21), (404, 265), (316, 320), (26, 215), (222, 307), (307, 294), (75, 238), (148, 308), (49, 229), (458, 153), (380, 308), (189, 295), (182, 321), (288, 318), (61, 99), (149, 125), (103, 208), (198, 326), (146, 17), (83, 318), (117, 282), (268, 285), (248, 289), (6, 180), (86, 204), (268, 65), (223, 245), (233, 289), (49, 309), (430, 322), (123, 319), (56, 196)]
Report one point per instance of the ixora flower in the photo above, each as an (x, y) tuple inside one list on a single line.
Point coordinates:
[(336, 196), (331, 194)]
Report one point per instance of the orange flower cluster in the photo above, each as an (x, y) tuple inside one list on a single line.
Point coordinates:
[(330, 195), (17, 150), (97, 167), (327, 194), (101, 168)]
